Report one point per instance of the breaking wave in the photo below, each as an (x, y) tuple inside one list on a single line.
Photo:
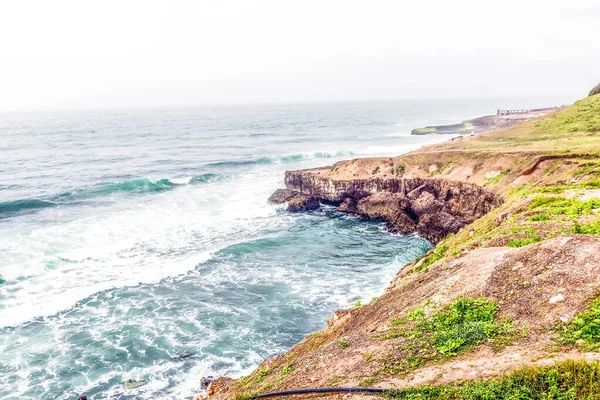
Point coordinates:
[(134, 186)]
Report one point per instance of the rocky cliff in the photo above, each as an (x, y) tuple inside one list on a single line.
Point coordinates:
[(432, 207), (513, 281)]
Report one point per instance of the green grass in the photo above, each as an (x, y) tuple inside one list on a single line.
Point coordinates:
[(368, 382), (460, 324), (593, 228), (584, 329), (456, 327), (438, 254), (540, 218), (497, 178), (567, 380), (286, 369), (558, 205), (343, 344), (523, 242), (584, 116)]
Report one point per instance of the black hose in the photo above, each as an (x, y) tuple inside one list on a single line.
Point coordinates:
[(323, 390)]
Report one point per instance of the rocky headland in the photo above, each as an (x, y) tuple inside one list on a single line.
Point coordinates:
[(503, 119), (507, 302)]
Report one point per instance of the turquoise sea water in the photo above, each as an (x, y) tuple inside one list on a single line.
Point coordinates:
[(138, 244)]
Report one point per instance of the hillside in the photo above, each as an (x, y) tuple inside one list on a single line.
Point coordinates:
[(504, 305)]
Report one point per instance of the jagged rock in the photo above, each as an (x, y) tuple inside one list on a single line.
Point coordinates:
[(218, 385), (132, 384), (303, 203), (338, 318), (296, 201), (348, 205), (432, 207), (388, 207), (595, 90), (282, 196), (205, 382)]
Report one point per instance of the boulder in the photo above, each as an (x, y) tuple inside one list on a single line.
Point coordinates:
[(302, 202)]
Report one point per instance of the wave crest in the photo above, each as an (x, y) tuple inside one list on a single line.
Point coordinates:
[(289, 158), (134, 186)]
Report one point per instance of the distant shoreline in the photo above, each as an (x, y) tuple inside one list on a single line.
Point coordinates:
[(503, 119)]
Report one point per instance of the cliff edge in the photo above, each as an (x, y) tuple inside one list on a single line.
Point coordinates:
[(507, 301)]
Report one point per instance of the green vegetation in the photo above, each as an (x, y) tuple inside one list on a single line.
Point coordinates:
[(286, 369), (583, 117), (438, 254), (523, 242), (456, 327), (593, 228), (497, 178), (357, 303), (584, 329), (559, 205), (540, 218), (567, 380), (368, 382), (343, 344), (462, 323), (400, 169), (443, 168)]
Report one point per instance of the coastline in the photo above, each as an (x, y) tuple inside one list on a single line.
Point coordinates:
[(502, 119), (506, 253)]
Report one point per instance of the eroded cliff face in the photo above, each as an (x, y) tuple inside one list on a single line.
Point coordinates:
[(433, 207)]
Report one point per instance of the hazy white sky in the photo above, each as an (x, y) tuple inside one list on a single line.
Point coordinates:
[(71, 54)]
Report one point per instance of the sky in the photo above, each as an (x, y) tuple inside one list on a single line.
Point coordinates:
[(87, 54)]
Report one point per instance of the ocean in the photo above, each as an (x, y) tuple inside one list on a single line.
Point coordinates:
[(139, 245)]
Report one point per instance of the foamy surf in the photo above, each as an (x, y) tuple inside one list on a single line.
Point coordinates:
[(151, 244)]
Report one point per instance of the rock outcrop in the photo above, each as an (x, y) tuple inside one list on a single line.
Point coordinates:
[(485, 123), (595, 90), (432, 207), (296, 201)]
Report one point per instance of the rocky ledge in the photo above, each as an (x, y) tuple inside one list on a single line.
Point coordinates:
[(433, 207)]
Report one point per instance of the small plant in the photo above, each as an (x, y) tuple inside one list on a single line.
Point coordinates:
[(262, 373), (540, 218), (523, 242), (357, 303), (451, 329), (438, 254), (400, 169), (286, 369), (593, 228), (368, 382), (343, 344), (584, 328), (497, 178)]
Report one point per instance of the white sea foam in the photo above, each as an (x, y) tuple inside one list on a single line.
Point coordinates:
[(50, 268)]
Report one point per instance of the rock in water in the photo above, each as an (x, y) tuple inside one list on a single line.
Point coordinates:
[(132, 384), (282, 196), (296, 201), (205, 381), (303, 203)]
